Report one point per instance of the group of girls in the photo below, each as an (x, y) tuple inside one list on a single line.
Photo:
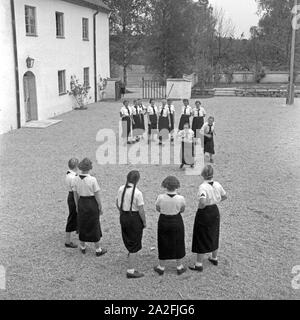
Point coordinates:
[(161, 122), (85, 209)]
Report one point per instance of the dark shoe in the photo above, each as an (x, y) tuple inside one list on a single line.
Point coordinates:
[(181, 166), (214, 262), (196, 268), (83, 251), (101, 253), (71, 245), (134, 275), (181, 271), (159, 271), (192, 165)]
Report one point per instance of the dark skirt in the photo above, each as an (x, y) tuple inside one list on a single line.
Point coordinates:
[(197, 125), (183, 120), (206, 230), (172, 120), (209, 146), (170, 237), (88, 220), (126, 127), (153, 123), (187, 153), (72, 218), (132, 230), (143, 122), (163, 127)]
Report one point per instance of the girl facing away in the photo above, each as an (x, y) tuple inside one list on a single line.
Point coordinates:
[(130, 204), (170, 229), (207, 220)]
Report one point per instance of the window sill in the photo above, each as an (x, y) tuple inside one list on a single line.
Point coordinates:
[(60, 37), (31, 35), (62, 93)]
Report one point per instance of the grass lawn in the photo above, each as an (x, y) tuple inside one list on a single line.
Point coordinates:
[(257, 162)]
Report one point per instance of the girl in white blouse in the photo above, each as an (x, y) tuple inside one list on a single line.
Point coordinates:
[(152, 112), (126, 118), (170, 230), (207, 221), (89, 207), (185, 114), (199, 114)]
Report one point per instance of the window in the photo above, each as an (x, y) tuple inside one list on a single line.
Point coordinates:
[(62, 82), (85, 29), (86, 77), (60, 33), (30, 21)]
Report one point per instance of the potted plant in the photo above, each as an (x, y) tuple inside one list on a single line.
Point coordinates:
[(79, 92)]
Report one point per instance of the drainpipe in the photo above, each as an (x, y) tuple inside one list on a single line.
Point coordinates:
[(13, 19), (95, 55)]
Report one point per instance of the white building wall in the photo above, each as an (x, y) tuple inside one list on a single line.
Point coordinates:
[(8, 104), (52, 54)]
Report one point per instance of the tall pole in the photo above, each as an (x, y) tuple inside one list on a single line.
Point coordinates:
[(291, 89)]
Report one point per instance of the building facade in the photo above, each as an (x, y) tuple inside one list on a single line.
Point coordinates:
[(43, 44)]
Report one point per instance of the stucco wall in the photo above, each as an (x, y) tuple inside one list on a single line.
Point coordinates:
[(52, 54), (8, 107)]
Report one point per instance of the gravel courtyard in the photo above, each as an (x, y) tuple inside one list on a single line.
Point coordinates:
[(257, 162)]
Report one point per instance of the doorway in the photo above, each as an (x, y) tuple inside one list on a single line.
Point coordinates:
[(30, 98)]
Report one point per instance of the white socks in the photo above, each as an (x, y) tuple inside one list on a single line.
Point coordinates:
[(99, 250), (180, 267), (161, 268), (198, 264)]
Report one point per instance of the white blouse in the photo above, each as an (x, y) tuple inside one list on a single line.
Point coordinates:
[(186, 110), (199, 112), (137, 199), (85, 185), (126, 112), (164, 111), (205, 128), (136, 110), (170, 204), (211, 193), (171, 109), (70, 179), (186, 135), (152, 110)]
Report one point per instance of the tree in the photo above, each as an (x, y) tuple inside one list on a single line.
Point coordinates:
[(128, 25), (274, 32)]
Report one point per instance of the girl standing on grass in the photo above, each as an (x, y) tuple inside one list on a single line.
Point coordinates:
[(198, 119), (126, 117), (72, 218), (185, 114), (170, 231), (130, 204), (207, 221), (152, 112), (208, 130), (89, 208), (163, 122)]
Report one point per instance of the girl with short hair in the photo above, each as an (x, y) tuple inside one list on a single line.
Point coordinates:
[(170, 230)]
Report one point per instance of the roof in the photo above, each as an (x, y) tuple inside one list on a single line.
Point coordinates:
[(93, 4)]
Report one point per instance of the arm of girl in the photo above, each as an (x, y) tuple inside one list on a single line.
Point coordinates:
[(76, 198), (142, 215), (97, 196)]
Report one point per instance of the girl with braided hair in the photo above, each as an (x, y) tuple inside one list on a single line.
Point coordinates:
[(130, 204)]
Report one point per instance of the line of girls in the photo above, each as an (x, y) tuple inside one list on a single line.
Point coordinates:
[(161, 122), (85, 209)]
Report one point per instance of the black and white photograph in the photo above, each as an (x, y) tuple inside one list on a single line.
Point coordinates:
[(150, 151)]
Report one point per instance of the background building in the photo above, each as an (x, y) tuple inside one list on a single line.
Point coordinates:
[(54, 39)]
